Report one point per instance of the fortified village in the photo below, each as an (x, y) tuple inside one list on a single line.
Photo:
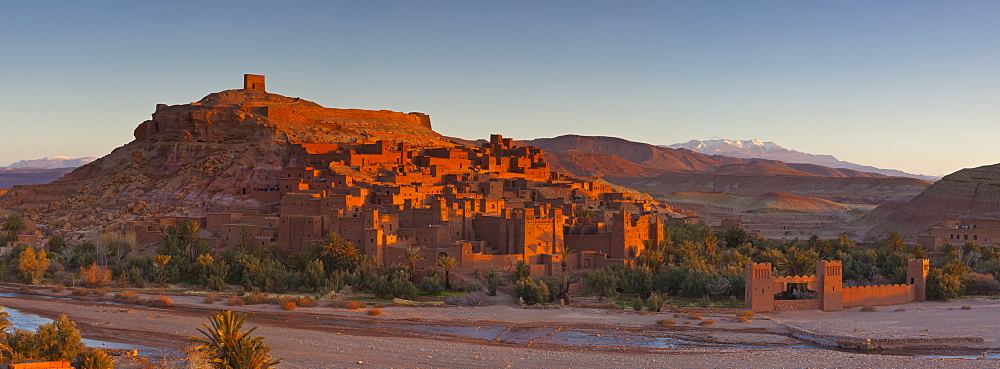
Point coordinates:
[(486, 206)]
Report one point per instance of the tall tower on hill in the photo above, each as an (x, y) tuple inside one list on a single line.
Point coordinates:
[(253, 82)]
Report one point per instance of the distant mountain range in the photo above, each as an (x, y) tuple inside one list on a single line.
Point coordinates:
[(770, 150), (658, 171), (53, 162)]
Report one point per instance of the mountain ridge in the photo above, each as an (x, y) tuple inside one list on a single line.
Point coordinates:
[(755, 148)]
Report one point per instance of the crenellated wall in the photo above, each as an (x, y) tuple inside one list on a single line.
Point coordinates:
[(827, 283), (892, 294)]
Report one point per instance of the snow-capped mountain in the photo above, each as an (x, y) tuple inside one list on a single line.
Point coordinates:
[(771, 150), (53, 162)]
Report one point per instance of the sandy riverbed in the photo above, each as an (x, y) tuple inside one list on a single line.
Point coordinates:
[(425, 337)]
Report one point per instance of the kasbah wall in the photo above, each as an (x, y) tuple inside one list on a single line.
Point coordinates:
[(828, 284)]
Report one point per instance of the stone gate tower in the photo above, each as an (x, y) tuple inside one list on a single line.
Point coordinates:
[(253, 82), (916, 275)]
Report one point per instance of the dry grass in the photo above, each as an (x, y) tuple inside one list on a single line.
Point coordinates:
[(666, 322), (596, 305), (128, 297), (868, 309), (375, 312), (211, 299), (742, 319), (289, 305), (257, 299), (707, 322), (235, 301), (58, 288), (694, 316), (159, 300), (966, 307), (746, 314), (81, 292), (307, 302), (352, 305), (101, 291)]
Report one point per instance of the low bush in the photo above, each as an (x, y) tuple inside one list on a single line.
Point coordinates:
[(235, 301), (374, 311), (477, 298), (128, 297), (868, 309), (159, 300), (746, 314), (636, 304), (81, 292), (707, 322), (257, 299), (211, 299), (655, 304), (307, 302), (966, 307), (101, 291), (694, 316), (289, 305), (666, 322), (981, 284), (742, 319), (352, 305), (58, 288)]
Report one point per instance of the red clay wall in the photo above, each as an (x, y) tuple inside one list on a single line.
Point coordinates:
[(878, 295)]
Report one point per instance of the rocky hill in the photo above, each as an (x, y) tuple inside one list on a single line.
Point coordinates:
[(198, 157), (968, 193), (772, 151)]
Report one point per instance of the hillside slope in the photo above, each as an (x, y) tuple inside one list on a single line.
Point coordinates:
[(968, 193), (199, 157)]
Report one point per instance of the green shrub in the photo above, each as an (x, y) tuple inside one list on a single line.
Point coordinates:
[(432, 285), (94, 359), (395, 285), (637, 304), (531, 292), (654, 304), (493, 281)]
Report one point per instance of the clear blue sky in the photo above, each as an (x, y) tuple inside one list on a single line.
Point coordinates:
[(910, 85)]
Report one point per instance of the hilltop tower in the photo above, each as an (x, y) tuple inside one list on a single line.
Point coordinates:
[(253, 82)]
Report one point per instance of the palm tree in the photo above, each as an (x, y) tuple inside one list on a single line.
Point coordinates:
[(11, 226), (895, 242), (340, 252), (230, 346), (447, 263), (160, 264), (412, 255)]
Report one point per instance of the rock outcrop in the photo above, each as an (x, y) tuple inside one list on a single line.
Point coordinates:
[(195, 158), (968, 193)]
